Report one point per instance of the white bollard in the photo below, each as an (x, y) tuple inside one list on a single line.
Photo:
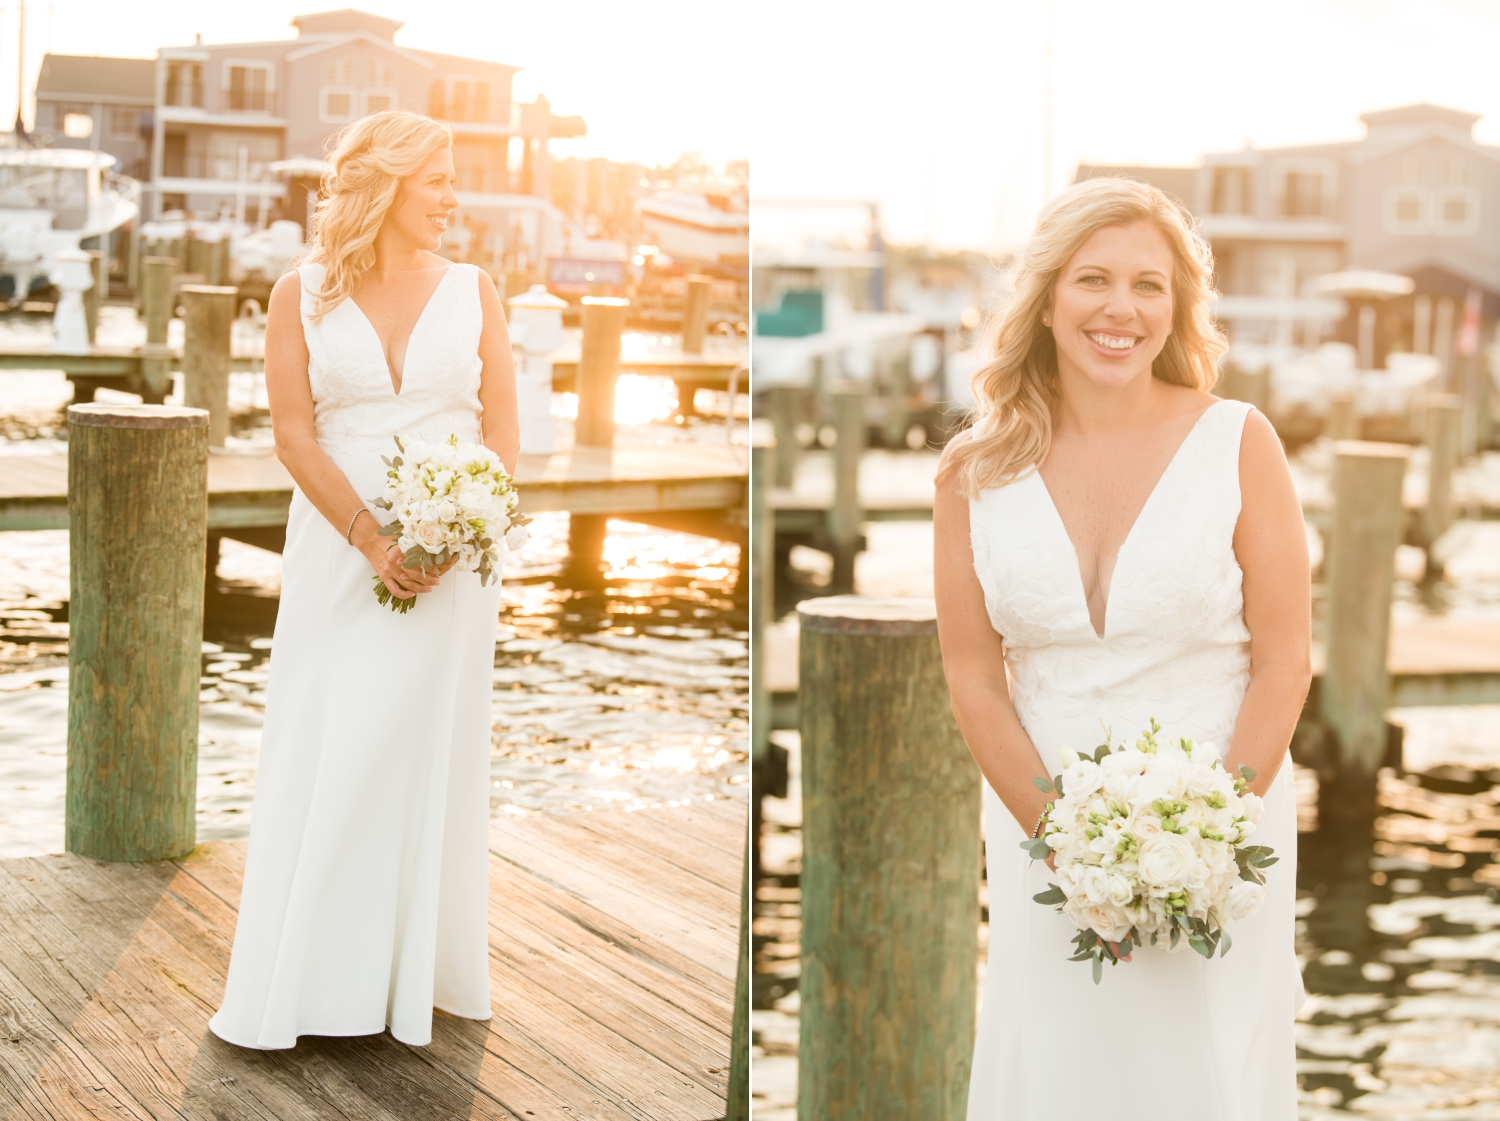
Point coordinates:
[(536, 330), (73, 274)]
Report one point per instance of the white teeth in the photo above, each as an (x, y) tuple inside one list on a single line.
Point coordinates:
[(1113, 342)]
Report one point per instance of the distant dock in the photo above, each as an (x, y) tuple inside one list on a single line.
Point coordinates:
[(255, 491), (613, 941)]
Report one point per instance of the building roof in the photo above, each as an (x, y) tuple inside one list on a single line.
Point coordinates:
[(1180, 183), (1422, 113), (347, 19), (96, 75)]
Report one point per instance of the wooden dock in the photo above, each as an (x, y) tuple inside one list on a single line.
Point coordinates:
[(254, 491), (613, 945)]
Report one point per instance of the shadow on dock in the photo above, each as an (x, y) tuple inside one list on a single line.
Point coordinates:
[(613, 943)]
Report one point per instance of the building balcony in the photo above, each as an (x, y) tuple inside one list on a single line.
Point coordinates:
[(248, 101), (225, 169)]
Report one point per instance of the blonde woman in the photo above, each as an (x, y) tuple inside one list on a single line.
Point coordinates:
[(365, 901), (1114, 544)]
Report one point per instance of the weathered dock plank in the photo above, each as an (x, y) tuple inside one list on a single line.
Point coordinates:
[(256, 490), (613, 986)]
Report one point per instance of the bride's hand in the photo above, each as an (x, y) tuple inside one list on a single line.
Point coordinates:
[(387, 560)]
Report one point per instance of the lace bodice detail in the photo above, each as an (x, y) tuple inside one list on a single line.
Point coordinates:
[(353, 399), (1175, 643)]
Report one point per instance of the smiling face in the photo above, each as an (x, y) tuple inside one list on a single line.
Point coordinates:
[(419, 212), (1111, 307)]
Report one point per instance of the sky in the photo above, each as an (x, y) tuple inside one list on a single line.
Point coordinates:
[(640, 75), (936, 110)]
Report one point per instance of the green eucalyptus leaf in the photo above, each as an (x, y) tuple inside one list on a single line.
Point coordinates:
[(1098, 968), (1052, 896), (1043, 785), (1247, 773)]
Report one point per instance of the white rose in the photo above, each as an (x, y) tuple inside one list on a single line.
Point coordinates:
[(1245, 899), (1120, 891), (1163, 781), (1252, 806), (429, 535), (1082, 778), (447, 510), (1165, 860), (1095, 884), (1109, 922), (516, 538), (473, 497), (1067, 755), (1126, 762), (1205, 754), (1202, 781)]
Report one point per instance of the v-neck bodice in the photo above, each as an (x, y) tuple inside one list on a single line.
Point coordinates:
[(1175, 645), (354, 399)]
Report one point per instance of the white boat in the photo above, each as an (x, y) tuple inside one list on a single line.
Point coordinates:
[(52, 199), (699, 227)]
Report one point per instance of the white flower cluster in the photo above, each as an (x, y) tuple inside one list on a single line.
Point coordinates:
[(451, 501), (1149, 847)]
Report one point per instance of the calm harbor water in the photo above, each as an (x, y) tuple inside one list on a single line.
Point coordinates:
[(634, 696), (1398, 934)]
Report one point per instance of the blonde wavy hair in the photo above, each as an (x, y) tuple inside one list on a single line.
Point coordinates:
[(370, 158), (1017, 393)]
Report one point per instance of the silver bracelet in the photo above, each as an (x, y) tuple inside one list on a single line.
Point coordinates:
[(1037, 828), (350, 528)]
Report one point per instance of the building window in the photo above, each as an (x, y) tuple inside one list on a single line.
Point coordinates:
[(1455, 211), (124, 122), (352, 70), (461, 99), (249, 87), (474, 168), (226, 149), (378, 101), (1302, 195), (1231, 191), (78, 126), (185, 84), (1407, 210), (336, 104)]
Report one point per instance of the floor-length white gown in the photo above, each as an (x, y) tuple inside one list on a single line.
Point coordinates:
[(1165, 1034), (365, 899)]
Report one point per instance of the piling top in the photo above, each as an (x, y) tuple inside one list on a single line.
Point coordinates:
[(606, 301), (137, 416), (209, 289), (1371, 449), (762, 433), (873, 615)]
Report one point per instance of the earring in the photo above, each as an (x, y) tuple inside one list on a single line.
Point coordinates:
[(1046, 322)]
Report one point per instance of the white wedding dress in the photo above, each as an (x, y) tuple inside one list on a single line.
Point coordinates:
[(365, 899), (1164, 1034)]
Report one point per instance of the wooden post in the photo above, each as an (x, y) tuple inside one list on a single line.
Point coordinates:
[(598, 369), (92, 294), (845, 518), (196, 257), (1368, 524), (156, 310), (763, 452), (695, 314), (737, 1108), (890, 868), (1444, 422), (1343, 422), (217, 261), (782, 403), (207, 314), (137, 519)]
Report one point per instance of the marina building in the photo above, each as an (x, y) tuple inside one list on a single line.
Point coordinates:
[(242, 128)]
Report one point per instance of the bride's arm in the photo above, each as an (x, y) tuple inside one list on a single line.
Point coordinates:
[(317, 476), (1271, 544), (974, 662), (497, 380)]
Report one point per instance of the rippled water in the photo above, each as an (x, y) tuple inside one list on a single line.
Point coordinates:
[(634, 696)]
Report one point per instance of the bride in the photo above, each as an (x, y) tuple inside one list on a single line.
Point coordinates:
[(365, 900), (1113, 544)]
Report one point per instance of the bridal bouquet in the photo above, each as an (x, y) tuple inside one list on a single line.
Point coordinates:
[(452, 501), (1150, 847)]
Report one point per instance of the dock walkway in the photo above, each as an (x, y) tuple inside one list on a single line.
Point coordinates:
[(248, 491), (613, 939)]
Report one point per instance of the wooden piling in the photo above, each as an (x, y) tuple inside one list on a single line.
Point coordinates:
[(216, 261), (92, 294), (1368, 524), (695, 314), (598, 369), (1443, 413), (890, 868), (846, 518), (207, 314), (737, 1105), (1343, 421), (156, 310), (137, 519), (783, 409)]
